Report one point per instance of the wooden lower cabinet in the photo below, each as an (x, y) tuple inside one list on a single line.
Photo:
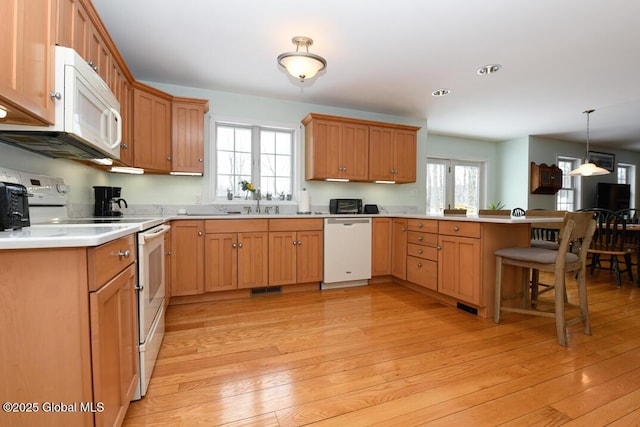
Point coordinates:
[(381, 238), (187, 257), (235, 254), (422, 253), (295, 251), (235, 261), (69, 333), (114, 338), (459, 268), (399, 248)]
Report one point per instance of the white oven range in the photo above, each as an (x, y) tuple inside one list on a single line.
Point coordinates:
[(151, 291)]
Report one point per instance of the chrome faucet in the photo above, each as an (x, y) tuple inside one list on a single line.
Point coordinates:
[(277, 209), (266, 209), (248, 208), (258, 196)]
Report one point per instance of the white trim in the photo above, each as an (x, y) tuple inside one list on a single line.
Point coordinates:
[(297, 153)]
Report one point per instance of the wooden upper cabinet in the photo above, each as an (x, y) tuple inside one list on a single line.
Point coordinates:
[(151, 129), (27, 61), (187, 143), (545, 179), (123, 90), (336, 149), (99, 56), (359, 150), (392, 154)]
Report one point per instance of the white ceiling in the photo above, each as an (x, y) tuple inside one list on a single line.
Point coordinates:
[(558, 57)]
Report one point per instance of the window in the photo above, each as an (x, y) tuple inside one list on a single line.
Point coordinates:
[(567, 197), (454, 184), (261, 155), (627, 175)]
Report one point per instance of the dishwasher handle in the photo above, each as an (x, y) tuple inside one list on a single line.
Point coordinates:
[(348, 221)]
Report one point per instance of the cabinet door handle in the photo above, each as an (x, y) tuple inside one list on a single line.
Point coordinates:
[(234, 245), (419, 265), (420, 225), (199, 233), (299, 242), (55, 95), (438, 247), (239, 245), (295, 243), (456, 228), (200, 160), (404, 229)]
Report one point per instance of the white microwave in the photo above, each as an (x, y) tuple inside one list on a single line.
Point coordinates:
[(87, 122)]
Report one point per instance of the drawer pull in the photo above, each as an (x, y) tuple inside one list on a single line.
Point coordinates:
[(420, 251), (419, 265), (438, 247), (456, 228), (420, 225), (124, 254), (420, 238)]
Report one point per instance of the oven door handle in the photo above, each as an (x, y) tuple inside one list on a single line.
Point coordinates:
[(153, 233)]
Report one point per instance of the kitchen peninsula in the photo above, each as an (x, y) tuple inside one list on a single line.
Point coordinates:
[(448, 258)]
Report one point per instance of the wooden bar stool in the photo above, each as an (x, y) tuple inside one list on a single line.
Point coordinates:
[(577, 228)]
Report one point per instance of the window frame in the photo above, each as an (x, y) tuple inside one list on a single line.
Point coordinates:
[(255, 127), (450, 164), (631, 179), (577, 183)]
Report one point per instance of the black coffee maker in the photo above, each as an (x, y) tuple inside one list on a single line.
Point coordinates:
[(107, 198)]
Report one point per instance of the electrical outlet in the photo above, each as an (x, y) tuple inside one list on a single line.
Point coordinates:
[(198, 199)]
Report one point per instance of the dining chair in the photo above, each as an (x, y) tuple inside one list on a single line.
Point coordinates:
[(611, 244), (577, 227), (545, 235)]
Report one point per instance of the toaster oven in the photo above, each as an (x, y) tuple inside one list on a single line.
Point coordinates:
[(14, 206), (345, 206)]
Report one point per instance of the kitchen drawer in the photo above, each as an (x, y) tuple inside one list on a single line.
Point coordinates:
[(422, 272), (424, 225), (106, 261), (459, 228), (418, 238), (424, 252), (235, 225), (293, 224)]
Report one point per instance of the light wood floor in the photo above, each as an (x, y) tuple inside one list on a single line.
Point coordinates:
[(383, 355)]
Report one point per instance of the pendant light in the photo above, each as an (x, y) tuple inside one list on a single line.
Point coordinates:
[(588, 168), (302, 65)]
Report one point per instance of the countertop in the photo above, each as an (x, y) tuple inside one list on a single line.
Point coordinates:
[(75, 235)]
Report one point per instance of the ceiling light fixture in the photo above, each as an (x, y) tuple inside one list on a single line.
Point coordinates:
[(588, 168), (489, 69), (441, 92), (302, 65)]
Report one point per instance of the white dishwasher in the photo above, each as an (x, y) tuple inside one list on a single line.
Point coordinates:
[(347, 252)]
